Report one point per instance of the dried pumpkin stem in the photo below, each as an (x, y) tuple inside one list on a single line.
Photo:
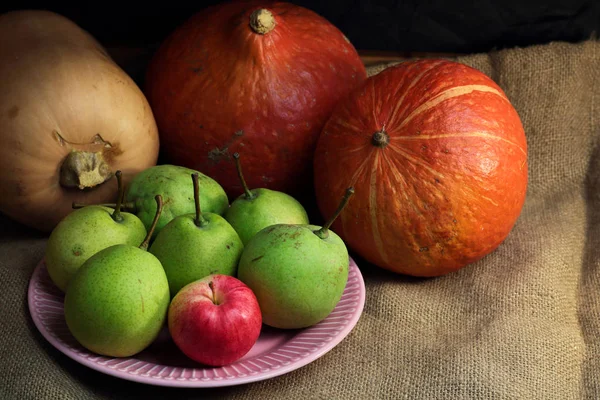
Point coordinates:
[(380, 139), (262, 21)]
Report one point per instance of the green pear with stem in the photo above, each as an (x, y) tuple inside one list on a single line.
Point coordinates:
[(193, 246), (259, 208), (86, 231), (117, 302), (297, 272), (172, 183)]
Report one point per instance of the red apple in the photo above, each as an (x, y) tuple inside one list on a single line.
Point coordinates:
[(215, 320)]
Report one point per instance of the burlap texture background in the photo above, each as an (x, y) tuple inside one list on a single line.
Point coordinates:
[(523, 323)]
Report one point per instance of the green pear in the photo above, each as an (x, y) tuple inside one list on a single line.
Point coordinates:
[(193, 246), (86, 231), (297, 272), (117, 302), (172, 183), (257, 209)]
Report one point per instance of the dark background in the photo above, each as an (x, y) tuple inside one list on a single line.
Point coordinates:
[(395, 26)]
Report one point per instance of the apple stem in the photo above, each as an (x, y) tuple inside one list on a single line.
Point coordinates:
[(200, 221), (212, 291), (323, 233), (238, 166), (159, 207), (116, 215), (129, 206)]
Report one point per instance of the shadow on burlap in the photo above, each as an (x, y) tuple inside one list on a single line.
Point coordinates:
[(523, 323)]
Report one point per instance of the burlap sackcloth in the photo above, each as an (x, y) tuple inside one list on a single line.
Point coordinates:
[(523, 323)]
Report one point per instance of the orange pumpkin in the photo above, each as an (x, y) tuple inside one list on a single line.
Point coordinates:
[(255, 77), (438, 158)]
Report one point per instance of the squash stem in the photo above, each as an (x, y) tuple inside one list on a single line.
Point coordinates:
[(84, 170)]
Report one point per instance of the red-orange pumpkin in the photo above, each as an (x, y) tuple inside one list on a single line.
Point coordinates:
[(438, 158), (256, 77)]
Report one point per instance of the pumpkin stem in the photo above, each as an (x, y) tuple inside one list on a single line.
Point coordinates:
[(159, 207), (84, 169), (323, 233), (249, 195), (380, 139), (116, 215), (200, 221), (262, 21)]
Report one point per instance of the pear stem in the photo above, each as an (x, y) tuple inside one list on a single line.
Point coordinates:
[(130, 206), (323, 233), (159, 207), (238, 166), (200, 221), (116, 215)]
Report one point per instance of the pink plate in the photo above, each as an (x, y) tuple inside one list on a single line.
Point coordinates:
[(275, 353)]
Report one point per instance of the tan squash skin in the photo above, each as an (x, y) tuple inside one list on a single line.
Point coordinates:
[(56, 78)]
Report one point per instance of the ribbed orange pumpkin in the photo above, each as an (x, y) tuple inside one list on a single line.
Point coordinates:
[(255, 77), (438, 158)]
